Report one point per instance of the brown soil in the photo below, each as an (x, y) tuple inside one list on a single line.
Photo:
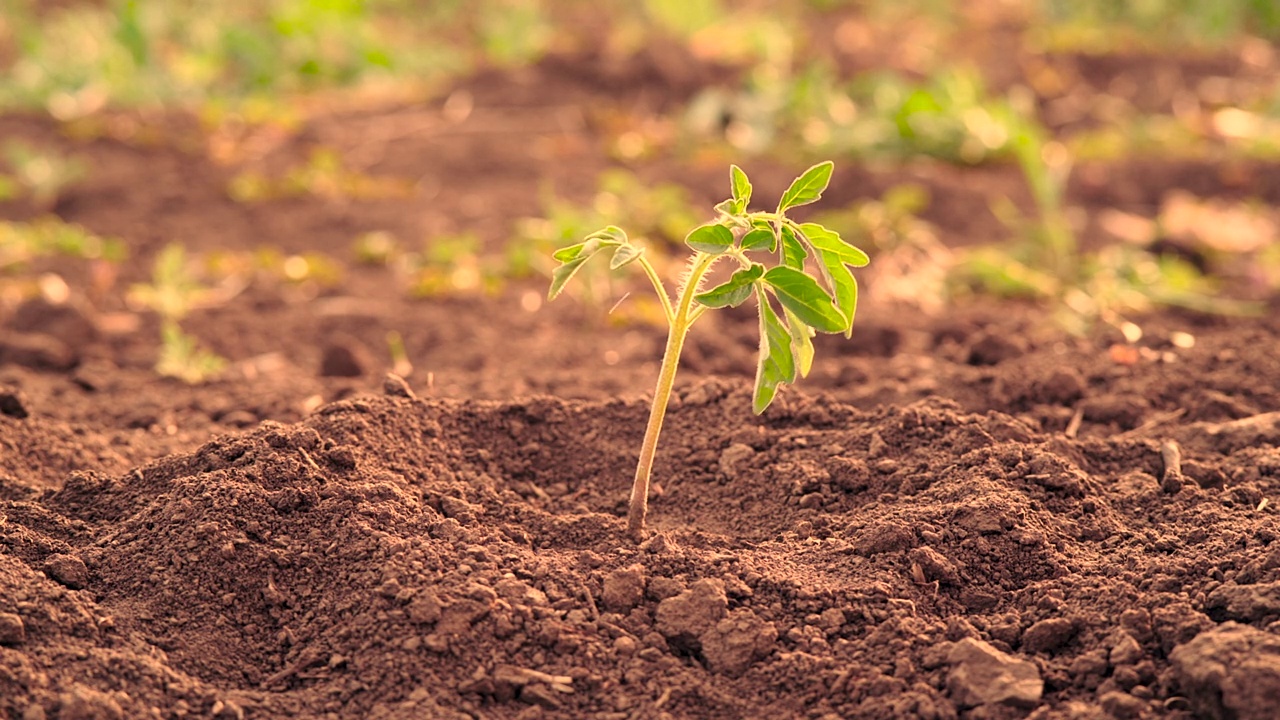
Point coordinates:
[(972, 516)]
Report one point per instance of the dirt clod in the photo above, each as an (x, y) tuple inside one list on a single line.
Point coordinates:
[(982, 675), (1125, 650), (68, 570), (738, 640), (1231, 672), (1121, 705), (683, 619), (1245, 603), (733, 457), (395, 386), (345, 358), (12, 630), (1047, 635), (623, 589), (994, 347), (84, 703), (13, 403)]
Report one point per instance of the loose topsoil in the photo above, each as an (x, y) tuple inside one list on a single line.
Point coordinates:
[(966, 515)]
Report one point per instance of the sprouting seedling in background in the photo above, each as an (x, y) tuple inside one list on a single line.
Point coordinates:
[(44, 175), (172, 293), (824, 300)]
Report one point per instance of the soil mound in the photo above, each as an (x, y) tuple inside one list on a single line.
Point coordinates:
[(392, 557)]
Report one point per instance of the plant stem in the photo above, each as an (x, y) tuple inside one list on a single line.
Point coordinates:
[(652, 274), (681, 321)]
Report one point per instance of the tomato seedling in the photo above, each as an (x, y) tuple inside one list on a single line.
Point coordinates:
[(823, 300)]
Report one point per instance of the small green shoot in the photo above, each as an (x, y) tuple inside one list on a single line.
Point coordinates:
[(824, 300), (173, 293), (22, 243)]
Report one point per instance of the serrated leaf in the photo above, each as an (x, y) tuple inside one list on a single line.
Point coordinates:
[(803, 296), (734, 291), (793, 252), (624, 255), (829, 241), (760, 239), (713, 238), (775, 364), (801, 343), (808, 187), (561, 275), (741, 187)]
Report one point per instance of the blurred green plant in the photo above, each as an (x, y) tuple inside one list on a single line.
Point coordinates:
[(950, 116), (172, 293), (75, 59), (324, 175), (453, 265), (24, 242), (1106, 25), (1044, 259), (42, 176), (660, 212), (912, 265)]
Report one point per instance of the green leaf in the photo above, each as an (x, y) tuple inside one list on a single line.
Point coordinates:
[(611, 235), (728, 207), (734, 291), (565, 254), (713, 238), (741, 187), (573, 256), (844, 288), (775, 365), (829, 241), (793, 252), (624, 255), (803, 296), (760, 239), (801, 343), (561, 275), (808, 187)]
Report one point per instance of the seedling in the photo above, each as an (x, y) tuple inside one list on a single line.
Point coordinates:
[(173, 293), (824, 300), (44, 175)]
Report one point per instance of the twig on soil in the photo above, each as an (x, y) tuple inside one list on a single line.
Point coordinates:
[(663, 698), (1245, 431), (1171, 477), (1073, 427), (591, 602), (903, 601), (307, 457)]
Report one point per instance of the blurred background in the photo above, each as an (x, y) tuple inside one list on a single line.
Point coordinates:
[(170, 166)]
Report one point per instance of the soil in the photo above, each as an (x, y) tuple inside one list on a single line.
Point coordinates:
[(972, 515)]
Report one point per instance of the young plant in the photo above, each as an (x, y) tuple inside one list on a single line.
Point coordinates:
[(173, 293), (823, 300)]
